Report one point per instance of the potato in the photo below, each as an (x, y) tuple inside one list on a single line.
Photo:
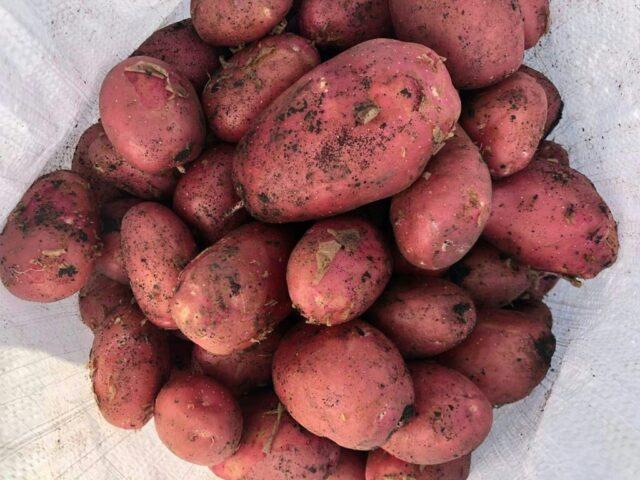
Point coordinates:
[(507, 355), (551, 217), (491, 278), (347, 383), (340, 24), (452, 417), (423, 316), (205, 197), (350, 467), (353, 130), (401, 266), (129, 362), (243, 370), (198, 419), (156, 246), (439, 218), (230, 23), (536, 309), (179, 45), (338, 269), (507, 122), (151, 114), (50, 241), (535, 14), (252, 79), (482, 41), (234, 293), (99, 297), (555, 104), (552, 152), (382, 466), (540, 283), (275, 447)]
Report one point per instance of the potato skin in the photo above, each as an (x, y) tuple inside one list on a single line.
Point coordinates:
[(535, 14), (230, 23), (129, 362), (507, 122), (423, 316), (437, 220), (275, 447), (156, 246), (252, 79), (476, 57), (555, 105), (540, 283), (343, 24), (338, 269), (552, 152), (179, 45), (507, 355), (49, 243), (234, 293), (205, 197), (353, 130), (198, 419), (383, 466), (151, 114), (452, 417), (551, 218), (99, 297), (347, 383), (350, 467)]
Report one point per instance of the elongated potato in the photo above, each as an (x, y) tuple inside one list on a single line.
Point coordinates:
[(383, 466), (357, 128), (350, 467), (99, 297), (555, 105), (535, 14), (50, 241), (437, 220)]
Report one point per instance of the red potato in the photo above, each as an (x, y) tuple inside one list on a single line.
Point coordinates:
[(151, 114), (535, 14), (507, 122), (452, 417), (340, 24), (423, 316), (382, 466), (437, 220), (156, 246), (507, 355), (540, 283), (347, 383), (275, 447), (536, 309), (551, 218), (230, 23), (350, 467), (555, 104), (482, 41), (234, 293), (338, 269), (205, 197), (552, 152), (353, 130), (50, 241), (179, 45), (129, 362), (198, 419), (99, 297), (491, 278), (252, 79)]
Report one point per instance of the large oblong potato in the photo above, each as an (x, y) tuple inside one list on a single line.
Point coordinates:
[(383, 466), (357, 128)]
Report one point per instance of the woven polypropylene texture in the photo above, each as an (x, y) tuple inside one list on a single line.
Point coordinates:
[(582, 423)]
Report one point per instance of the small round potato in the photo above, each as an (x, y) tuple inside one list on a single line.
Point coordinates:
[(383, 466), (350, 467), (99, 297), (555, 104)]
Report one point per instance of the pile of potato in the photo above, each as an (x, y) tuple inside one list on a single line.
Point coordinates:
[(298, 239)]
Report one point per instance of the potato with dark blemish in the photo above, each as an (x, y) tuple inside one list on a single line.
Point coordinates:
[(383, 466), (338, 269), (234, 293), (347, 383), (99, 297), (535, 14), (156, 247), (350, 467), (357, 128), (552, 152), (555, 105), (50, 242)]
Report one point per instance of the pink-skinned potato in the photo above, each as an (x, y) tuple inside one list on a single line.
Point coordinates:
[(99, 297), (535, 14), (355, 129), (476, 57), (384, 466), (234, 293), (507, 122), (540, 284), (151, 114), (351, 466), (50, 242), (129, 362), (275, 447), (437, 220), (347, 383), (156, 246), (198, 419), (551, 218), (552, 152), (252, 79), (536, 309), (338, 269), (555, 104)]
